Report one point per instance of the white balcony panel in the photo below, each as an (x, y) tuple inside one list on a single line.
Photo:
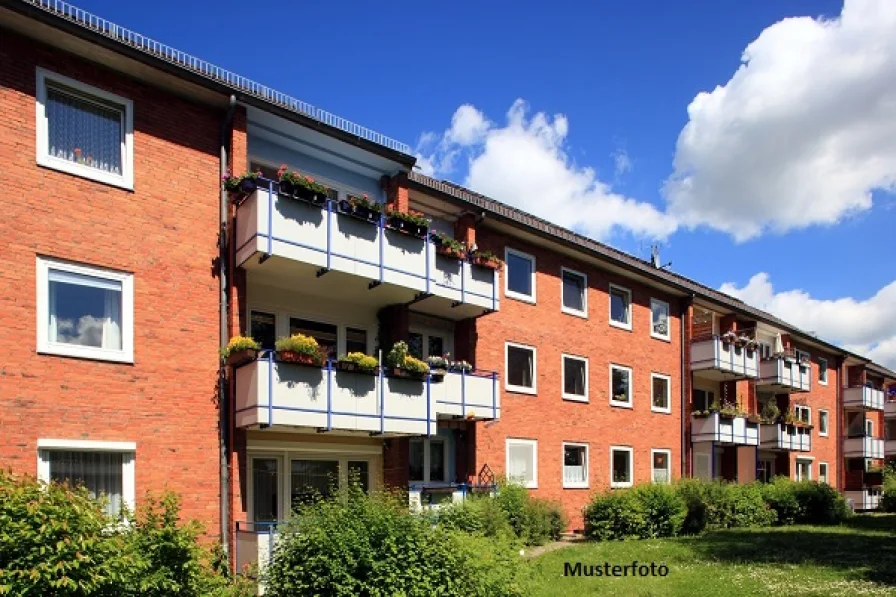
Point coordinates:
[(721, 360), (715, 428), (890, 448), (868, 499), (785, 437), (326, 239), (863, 447), (781, 375), (862, 397), (472, 396), (890, 409)]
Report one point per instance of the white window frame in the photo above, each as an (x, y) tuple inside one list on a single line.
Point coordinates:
[(631, 382), (826, 478), (124, 180), (576, 485), (631, 467), (517, 295), (427, 459), (668, 453), (44, 346), (869, 428), (668, 336), (823, 382), (800, 407), (823, 415), (521, 389), (668, 378), (803, 459), (628, 293), (583, 313), (573, 397), (533, 484), (127, 449)]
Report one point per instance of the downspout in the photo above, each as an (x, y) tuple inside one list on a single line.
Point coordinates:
[(685, 378), (223, 393)]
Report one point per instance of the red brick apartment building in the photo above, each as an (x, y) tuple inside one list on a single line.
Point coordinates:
[(127, 267)]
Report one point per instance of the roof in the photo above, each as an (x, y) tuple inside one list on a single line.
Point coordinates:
[(93, 28), (615, 256)]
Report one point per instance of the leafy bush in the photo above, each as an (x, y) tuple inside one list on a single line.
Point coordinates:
[(614, 515), (300, 344), (693, 494), (478, 515), (743, 506), (663, 510), (819, 503), (781, 497), (888, 499), (511, 513), (354, 544)]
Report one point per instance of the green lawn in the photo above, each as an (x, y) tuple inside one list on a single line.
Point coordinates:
[(855, 559)]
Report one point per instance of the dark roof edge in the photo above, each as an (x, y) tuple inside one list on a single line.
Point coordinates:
[(82, 31), (881, 370), (616, 256)]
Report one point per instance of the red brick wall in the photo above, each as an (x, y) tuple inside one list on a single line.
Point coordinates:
[(164, 233), (824, 397), (552, 420)]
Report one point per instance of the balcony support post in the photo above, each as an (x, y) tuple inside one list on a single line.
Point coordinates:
[(270, 389), (494, 394), (428, 405), (382, 403), (329, 373)]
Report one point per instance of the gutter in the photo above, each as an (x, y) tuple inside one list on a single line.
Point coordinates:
[(685, 383), (223, 397)]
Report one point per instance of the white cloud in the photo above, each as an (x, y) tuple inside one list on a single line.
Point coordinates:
[(524, 163), (867, 327), (622, 162), (801, 134)]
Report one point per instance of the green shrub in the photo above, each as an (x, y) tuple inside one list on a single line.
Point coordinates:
[(511, 513), (888, 499), (743, 507), (354, 544), (614, 515), (819, 503), (693, 494), (663, 510), (478, 515), (781, 497)]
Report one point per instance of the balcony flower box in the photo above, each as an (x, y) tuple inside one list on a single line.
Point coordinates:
[(241, 185), (358, 362), (485, 259), (448, 246), (301, 187), (438, 367), (401, 364), (240, 350), (404, 373), (754, 418), (460, 366), (361, 208), (299, 349), (413, 224)]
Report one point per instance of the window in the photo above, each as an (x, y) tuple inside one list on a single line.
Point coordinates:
[(324, 333), (765, 470), (620, 307), (574, 291), (702, 399), (520, 368), (659, 320), (822, 472), (84, 131), (803, 469), (661, 393), (869, 428), (104, 468), (312, 479), (263, 328), (661, 466), (355, 340), (822, 422), (823, 371), (423, 345), (620, 386), (522, 461), (428, 460), (84, 311), (575, 466), (265, 490), (575, 377), (621, 466), (803, 413), (359, 472), (520, 275)]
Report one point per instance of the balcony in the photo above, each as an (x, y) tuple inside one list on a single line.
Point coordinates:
[(863, 398), (272, 393), (719, 360), (863, 500), (863, 447), (724, 430), (890, 409), (782, 375), (301, 242), (890, 448), (781, 436), (255, 542)]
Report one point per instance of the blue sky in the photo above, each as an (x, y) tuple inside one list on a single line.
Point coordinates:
[(622, 75)]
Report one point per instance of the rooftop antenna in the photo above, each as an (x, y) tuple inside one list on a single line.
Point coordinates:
[(655, 257)]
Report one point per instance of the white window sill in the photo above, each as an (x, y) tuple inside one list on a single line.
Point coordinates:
[(574, 398), (574, 313), (622, 326), (664, 411), (523, 298), (576, 486), (621, 404), (85, 352), (520, 390), (620, 484), (663, 338), (75, 169)]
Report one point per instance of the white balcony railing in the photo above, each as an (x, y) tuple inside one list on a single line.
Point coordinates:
[(269, 393), (890, 409), (866, 499), (863, 397), (781, 436), (863, 447), (328, 240), (724, 430), (715, 355), (784, 375)]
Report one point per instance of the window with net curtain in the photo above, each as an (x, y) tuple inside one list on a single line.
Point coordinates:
[(521, 462), (84, 130), (575, 465), (660, 467), (84, 310), (99, 472)]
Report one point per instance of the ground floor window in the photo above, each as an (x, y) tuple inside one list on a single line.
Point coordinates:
[(522, 461), (575, 465), (621, 466), (823, 472), (105, 469), (765, 470), (803, 469), (428, 460), (661, 466)]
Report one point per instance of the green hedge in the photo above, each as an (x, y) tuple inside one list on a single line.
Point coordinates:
[(691, 506), (888, 499), (354, 544), (56, 540)]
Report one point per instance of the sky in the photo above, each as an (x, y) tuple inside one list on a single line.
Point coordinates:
[(754, 142)]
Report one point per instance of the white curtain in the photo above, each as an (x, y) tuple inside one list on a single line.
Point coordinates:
[(520, 461), (574, 466), (99, 472), (112, 323)]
